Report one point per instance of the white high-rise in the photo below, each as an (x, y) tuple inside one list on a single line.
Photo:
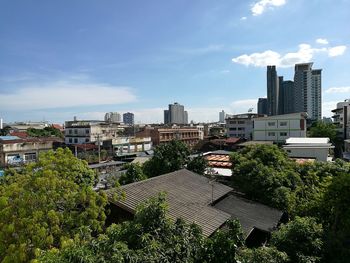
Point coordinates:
[(112, 117), (307, 90)]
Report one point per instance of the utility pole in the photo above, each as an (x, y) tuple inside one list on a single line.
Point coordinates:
[(99, 148)]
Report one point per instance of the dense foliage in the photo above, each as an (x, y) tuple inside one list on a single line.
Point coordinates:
[(47, 203), (134, 173), (322, 129), (316, 192), (198, 165), (46, 132)]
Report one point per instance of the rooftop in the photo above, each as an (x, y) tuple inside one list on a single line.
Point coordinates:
[(307, 140), (189, 196)]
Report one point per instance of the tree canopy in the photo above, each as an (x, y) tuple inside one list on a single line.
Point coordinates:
[(134, 173), (322, 129), (47, 203), (46, 132)]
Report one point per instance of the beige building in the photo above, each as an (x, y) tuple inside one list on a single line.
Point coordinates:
[(188, 135), (17, 151), (124, 145)]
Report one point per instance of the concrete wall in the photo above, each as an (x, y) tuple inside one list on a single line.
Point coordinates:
[(320, 154)]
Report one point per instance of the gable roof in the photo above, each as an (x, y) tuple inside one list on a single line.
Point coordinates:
[(250, 214), (189, 197)]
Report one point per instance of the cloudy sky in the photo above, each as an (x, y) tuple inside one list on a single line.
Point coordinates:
[(63, 58)]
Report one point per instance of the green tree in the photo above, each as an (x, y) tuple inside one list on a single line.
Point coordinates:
[(322, 129), (336, 218), (265, 173), (198, 165), (301, 239), (47, 203), (46, 132), (263, 255), (167, 158), (5, 131), (134, 173)]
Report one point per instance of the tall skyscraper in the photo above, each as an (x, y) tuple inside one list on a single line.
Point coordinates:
[(272, 90), (287, 97), (222, 116), (128, 118), (112, 117), (262, 106), (307, 90), (175, 114)]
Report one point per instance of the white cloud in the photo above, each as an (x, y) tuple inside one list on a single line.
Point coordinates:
[(243, 18), (63, 94), (242, 106), (338, 90), (322, 41), (336, 51), (259, 7), (327, 108), (305, 53)]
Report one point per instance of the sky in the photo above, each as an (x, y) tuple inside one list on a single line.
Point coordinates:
[(65, 58)]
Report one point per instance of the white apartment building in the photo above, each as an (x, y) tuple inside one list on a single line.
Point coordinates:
[(341, 119), (278, 128), (241, 125), (310, 148)]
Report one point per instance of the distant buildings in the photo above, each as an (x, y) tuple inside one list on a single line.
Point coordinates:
[(262, 106), (222, 116), (307, 90), (175, 114), (341, 119), (90, 131), (272, 90), (128, 118), (301, 95), (279, 127), (241, 125), (160, 135), (113, 117)]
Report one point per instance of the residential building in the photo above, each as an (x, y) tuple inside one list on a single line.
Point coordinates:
[(175, 114), (128, 118), (286, 98), (24, 126), (127, 145), (272, 91), (90, 131), (241, 125), (222, 116), (262, 106), (18, 151), (160, 135), (307, 90), (341, 119), (309, 148), (196, 199), (113, 117), (280, 127)]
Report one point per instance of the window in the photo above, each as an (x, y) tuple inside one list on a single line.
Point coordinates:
[(75, 131), (87, 131), (233, 122), (271, 134), (70, 131), (241, 122), (30, 157), (87, 140), (283, 123), (283, 134), (70, 140), (241, 128), (271, 123), (75, 140), (233, 129)]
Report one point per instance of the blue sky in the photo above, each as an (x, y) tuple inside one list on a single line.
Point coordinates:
[(60, 59)]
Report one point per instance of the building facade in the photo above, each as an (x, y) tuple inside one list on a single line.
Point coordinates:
[(341, 118), (307, 90), (126, 145), (287, 100), (82, 132), (113, 117), (272, 91), (222, 116), (190, 136), (280, 127), (128, 118), (241, 125), (262, 106), (18, 151), (175, 114)]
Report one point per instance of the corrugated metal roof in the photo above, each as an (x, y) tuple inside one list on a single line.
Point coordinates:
[(250, 214), (307, 140), (189, 196), (9, 138)]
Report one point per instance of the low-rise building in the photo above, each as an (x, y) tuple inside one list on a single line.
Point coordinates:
[(125, 145), (159, 135), (309, 148), (89, 131), (341, 119), (17, 151), (241, 125), (278, 128)]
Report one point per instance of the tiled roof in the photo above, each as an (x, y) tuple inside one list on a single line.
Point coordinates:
[(189, 196), (250, 214)]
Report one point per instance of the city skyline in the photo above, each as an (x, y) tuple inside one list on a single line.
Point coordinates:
[(88, 59)]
